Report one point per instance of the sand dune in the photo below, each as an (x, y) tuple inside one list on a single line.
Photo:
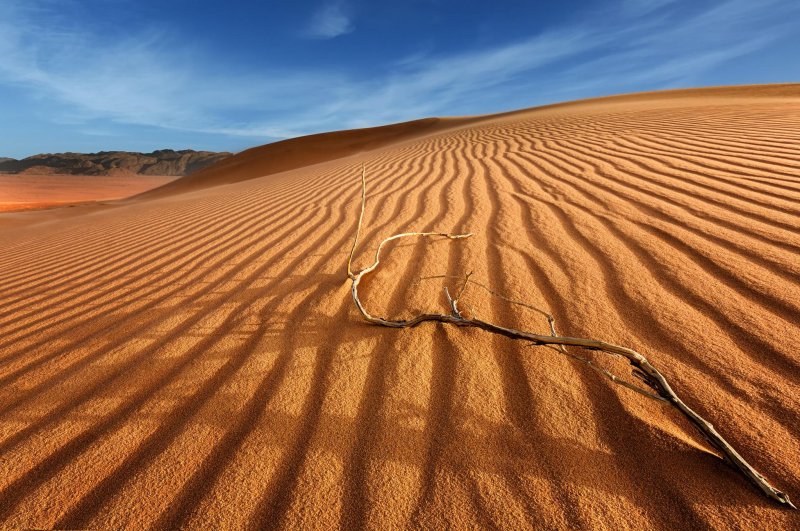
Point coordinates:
[(192, 357), (305, 151)]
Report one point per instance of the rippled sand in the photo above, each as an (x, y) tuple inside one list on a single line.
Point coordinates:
[(192, 357)]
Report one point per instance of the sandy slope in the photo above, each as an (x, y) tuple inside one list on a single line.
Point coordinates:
[(192, 357)]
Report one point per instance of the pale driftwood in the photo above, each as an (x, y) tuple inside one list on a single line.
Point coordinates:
[(643, 369), (551, 321)]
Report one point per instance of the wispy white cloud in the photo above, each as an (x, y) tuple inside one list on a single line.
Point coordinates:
[(672, 49), (144, 79), (148, 79), (332, 19), (641, 7)]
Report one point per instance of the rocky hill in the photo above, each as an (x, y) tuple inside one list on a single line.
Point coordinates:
[(161, 162)]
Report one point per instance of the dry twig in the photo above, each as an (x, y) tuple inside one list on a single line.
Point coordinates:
[(642, 368)]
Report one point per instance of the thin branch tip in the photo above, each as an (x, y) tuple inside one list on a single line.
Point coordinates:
[(642, 369), (350, 274)]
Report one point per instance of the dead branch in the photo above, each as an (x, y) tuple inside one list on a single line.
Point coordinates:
[(642, 368), (551, 321)]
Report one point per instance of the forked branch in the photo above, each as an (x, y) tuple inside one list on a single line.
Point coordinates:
[(658, 387)]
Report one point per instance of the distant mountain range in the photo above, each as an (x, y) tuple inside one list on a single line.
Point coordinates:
[(161, 162)]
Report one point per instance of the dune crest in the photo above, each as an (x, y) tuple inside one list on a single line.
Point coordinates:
[(305, 151), (192, 357)]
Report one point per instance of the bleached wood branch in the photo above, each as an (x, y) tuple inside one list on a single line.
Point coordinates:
[(642, 368), (551, 321)]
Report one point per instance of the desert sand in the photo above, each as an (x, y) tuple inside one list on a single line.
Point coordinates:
[(191, 357), (28, 191)]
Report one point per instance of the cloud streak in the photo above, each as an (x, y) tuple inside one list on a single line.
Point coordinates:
[(329, 21), (149, 80)]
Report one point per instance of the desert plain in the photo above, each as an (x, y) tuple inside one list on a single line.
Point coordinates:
[(31, 191), (190, 357)]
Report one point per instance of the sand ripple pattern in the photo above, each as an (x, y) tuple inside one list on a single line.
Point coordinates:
[(194, 360)]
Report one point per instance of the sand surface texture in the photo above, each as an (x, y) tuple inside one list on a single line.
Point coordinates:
[(31, 191), (192, 357)]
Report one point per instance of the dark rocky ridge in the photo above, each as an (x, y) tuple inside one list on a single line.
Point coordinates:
[(161, 162)]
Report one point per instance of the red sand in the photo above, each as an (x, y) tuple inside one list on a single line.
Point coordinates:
[(192, 357), (30, 191)]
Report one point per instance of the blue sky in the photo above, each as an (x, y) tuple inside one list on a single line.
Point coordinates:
[(89, 75)]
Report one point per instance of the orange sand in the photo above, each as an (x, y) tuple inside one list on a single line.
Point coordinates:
[(30, 191), (192, 357)]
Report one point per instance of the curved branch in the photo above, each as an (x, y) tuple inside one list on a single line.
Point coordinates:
[(642, 368), (350, 274)]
